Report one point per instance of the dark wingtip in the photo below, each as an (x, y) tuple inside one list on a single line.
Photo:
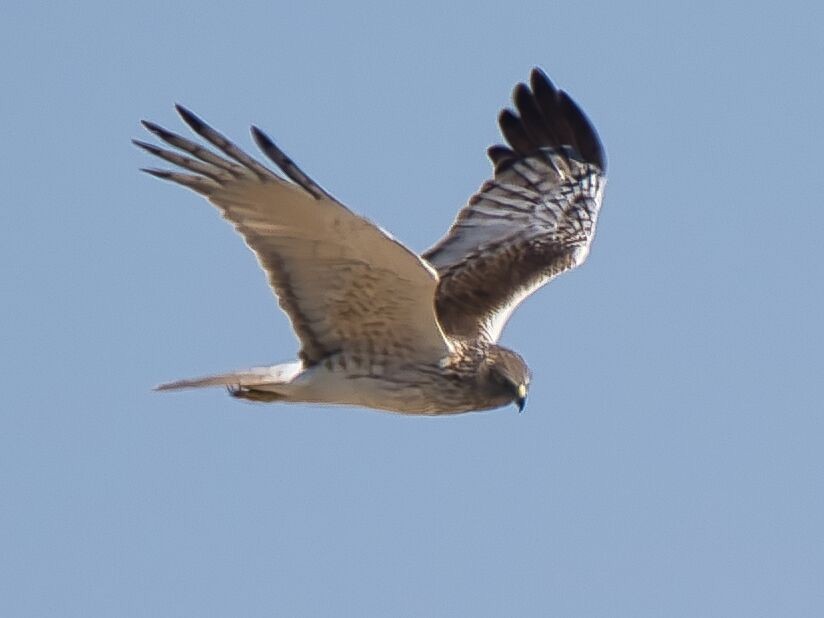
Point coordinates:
[(520, 92), (589, 143), (523, 99), (501, 157), (539, 79), (157, 173), (547, 117), (271, 150), (156, 129), (261, 139), (189, 117), (499, 154), (514, 132), (145, 146), (152, 127)]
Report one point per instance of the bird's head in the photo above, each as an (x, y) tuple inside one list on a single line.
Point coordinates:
[(509, 376)]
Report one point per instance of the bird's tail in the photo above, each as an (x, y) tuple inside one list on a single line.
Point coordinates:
[(247, 378)]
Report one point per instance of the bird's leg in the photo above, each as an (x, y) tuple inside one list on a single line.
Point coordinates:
[(250, 394)]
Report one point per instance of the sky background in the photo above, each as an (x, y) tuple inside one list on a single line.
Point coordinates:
[(670, 459)]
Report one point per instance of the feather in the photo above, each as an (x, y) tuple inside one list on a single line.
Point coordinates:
[(534, 220)]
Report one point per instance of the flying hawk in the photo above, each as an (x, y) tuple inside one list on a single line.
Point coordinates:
[(380, 326)]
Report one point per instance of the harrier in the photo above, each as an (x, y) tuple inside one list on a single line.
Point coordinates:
[(380, 326)]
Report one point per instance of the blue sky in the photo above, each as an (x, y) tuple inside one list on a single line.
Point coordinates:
[(669, 461)]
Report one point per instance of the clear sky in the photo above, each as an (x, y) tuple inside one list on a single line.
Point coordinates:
[(670, 459)]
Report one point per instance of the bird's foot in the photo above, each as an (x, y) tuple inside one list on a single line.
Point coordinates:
[(251, 394)]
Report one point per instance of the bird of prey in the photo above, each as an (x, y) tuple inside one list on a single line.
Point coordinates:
[(382, 327)]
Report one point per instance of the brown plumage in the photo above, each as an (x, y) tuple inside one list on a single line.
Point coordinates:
[(533, 220), (379, 326)]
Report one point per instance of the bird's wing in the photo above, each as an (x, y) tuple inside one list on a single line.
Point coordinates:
[(346, 285), (533, 220)]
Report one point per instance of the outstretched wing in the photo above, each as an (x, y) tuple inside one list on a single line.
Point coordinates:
[(345, 284), (533, 220)]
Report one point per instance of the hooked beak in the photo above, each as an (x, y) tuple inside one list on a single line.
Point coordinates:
[(520, 399)]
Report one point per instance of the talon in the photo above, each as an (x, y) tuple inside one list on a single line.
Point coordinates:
[(234, 390), (251, 394)]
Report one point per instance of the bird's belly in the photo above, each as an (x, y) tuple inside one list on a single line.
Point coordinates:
[(398, 390)]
